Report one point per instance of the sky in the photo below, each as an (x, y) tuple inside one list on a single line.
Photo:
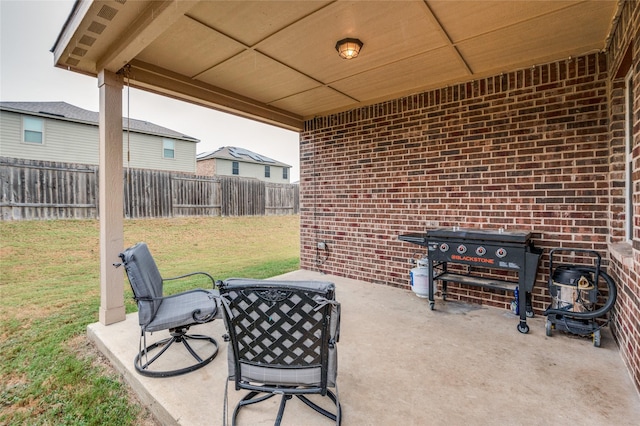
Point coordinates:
[(28, 31)]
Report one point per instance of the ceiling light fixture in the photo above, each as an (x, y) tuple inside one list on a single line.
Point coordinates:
[(349, 48)]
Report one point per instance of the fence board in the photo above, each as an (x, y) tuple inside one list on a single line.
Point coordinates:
[(242, 196), (281, 199), (48, 190), (195, 196)]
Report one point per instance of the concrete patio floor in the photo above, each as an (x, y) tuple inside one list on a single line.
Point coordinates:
[(402, 364)]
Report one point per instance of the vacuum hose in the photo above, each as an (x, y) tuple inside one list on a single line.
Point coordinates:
[(613, 294)]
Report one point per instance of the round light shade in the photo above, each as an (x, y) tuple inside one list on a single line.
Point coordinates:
[(349, 48)]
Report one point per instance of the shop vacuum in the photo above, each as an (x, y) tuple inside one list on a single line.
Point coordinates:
[(576, 298)]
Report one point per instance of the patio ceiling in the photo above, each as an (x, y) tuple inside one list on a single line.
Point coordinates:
[(275, 61)]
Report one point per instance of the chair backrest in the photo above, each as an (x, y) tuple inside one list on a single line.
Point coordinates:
[(145, 280), (282, 333)]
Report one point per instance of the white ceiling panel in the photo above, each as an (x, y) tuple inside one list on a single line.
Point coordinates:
[(252, 21), (390, 31), (404, 77), (556, 37), (276, 60), (307, 102), (253, 74), (188, 48), (463, 20)]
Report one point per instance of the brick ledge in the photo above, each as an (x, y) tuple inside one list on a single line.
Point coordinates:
[(623, 253)]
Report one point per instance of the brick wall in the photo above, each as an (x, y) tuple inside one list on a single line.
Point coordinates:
[(624, 267), (206, 167), (624, 55), (526, 149)]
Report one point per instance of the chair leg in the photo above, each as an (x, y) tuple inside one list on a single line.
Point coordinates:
[(177, 335), (186, 344), (250, 398), (321, 410), (283, 403), (164, 344)]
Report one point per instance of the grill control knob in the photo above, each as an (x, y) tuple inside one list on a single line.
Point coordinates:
[(462, 249), (481, 251), (501, 252), (444, 247)]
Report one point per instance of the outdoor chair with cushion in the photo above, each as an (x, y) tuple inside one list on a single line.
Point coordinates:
[(282, 341), (176, 313)]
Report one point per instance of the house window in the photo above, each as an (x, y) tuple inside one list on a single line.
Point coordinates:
[(235, 168), (168, 148), (285, 173), (267, 171), (628, 136), (33, 130)]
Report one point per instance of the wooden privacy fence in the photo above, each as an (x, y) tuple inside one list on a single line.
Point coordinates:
[(48, 190)]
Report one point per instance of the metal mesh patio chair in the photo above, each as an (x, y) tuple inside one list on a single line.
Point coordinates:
[(282, 341), (176, 313)]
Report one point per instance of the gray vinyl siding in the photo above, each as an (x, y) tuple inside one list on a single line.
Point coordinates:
[(71, 142), (147, 150), (252, 170), (63, 141)]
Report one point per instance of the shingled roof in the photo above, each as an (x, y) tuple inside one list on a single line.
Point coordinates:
[(67, 112), (240, 154)]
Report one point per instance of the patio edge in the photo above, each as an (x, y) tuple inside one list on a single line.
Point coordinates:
[(131, 379)]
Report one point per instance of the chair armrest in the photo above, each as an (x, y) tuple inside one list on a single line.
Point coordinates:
[(334, 328), (213, 282), (213, 295), (335, 321)]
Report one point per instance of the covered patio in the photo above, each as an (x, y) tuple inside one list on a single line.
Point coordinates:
[(402, 363), (517, 115)]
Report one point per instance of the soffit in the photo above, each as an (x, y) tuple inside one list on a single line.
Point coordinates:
[(276, 61)]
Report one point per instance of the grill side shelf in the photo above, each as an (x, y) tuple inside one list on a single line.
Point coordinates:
[(415, 238), (477, 281)]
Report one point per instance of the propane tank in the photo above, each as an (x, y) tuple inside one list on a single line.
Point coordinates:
[(420, 277), (515, 303)]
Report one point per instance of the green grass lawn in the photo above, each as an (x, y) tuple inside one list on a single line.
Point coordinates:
[(50, 291)]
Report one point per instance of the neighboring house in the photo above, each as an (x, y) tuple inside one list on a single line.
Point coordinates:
[(232, 161), (58, 131)]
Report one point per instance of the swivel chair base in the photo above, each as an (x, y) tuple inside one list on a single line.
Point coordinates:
[(178, 335)]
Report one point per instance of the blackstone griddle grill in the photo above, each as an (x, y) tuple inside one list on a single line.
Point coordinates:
[(510, 250)]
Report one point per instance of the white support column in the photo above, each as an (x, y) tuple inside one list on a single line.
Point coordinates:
[(111, 198)]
